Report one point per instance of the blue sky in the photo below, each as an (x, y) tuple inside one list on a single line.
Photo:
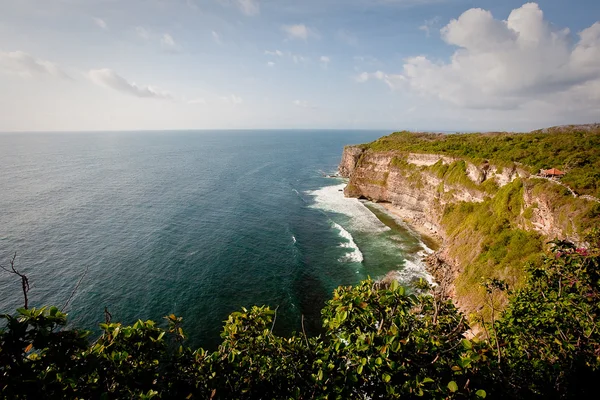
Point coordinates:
[(372, 64)]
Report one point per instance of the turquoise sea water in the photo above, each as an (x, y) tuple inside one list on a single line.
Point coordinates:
[(197, 224)]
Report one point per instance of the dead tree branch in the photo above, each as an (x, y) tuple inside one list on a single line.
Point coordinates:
[(74, 291), (24, 279)]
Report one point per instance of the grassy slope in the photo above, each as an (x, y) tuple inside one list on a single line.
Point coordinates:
[(571, 149)]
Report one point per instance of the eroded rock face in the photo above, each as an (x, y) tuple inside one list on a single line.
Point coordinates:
[(349, 160), (418, 198), (544, 218)]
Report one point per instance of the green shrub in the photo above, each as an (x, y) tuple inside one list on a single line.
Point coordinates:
[(380, 342)]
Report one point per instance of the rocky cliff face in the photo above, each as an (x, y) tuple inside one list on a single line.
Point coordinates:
[(417, 196), (350, 158), (419, 187)]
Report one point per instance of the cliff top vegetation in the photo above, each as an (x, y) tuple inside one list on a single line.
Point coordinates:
[(574, 149)]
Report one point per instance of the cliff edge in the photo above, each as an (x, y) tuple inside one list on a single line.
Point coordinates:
[(491, 212)]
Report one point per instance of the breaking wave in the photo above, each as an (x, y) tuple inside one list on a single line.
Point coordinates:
[(354, 254), (331, 198)]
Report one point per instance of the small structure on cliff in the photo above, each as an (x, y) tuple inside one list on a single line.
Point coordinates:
[(552, 173)]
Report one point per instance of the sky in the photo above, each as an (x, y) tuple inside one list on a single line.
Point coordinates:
[(452, 65)]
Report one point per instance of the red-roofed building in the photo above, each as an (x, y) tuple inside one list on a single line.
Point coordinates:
[(552, 173)]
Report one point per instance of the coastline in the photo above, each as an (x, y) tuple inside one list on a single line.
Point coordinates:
[(377, 232), (430, 237), (435, 264)]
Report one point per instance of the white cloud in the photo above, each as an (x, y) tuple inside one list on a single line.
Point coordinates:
[(325, 60), (25, 65), (277, 53), (270, 64), (428, 25), (249, 7), (303, 104), (168, 43), (366, 60), (506, 64), (216, 37), (192, 4), (101, 23), (298, 31), (296, 58), (366, 76), (142, 33), (109, 78), (346, 37), (197, 101), (232, 99)]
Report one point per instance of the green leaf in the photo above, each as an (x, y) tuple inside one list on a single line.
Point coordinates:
[(452, 386), (467, 345), (428, 380), (481, 393), (386, 378)]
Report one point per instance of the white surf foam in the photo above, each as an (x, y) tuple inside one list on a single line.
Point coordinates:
[(294, 239), (332, 199), (415, 269), (354, 254), (426, 249)]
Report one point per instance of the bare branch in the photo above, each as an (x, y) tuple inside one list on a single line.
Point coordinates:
[(107, 315), (303, 331), (74, 290), (274, 319), (24, 279)]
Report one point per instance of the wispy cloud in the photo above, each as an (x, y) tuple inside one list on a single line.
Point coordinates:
[(270, 64), (429, 24), (142, 33), (216, 37), (108, 78), (325, 60), (199, 100), (232, 99), (249, 7), (346, 37), (277, 53), (303, 104), (298, 31), (25, 65), (100, 23), (296, 58), (393, 81), (168, 43)]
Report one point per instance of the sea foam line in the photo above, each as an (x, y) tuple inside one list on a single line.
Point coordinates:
[(332, 199), (354, 255)]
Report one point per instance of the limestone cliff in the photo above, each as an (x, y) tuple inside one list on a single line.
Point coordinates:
[(419, 195), (422, 189)]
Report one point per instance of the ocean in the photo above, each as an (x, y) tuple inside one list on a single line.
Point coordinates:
[(194, 223)]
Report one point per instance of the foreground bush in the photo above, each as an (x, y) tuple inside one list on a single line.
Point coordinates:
[(380, 342)]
